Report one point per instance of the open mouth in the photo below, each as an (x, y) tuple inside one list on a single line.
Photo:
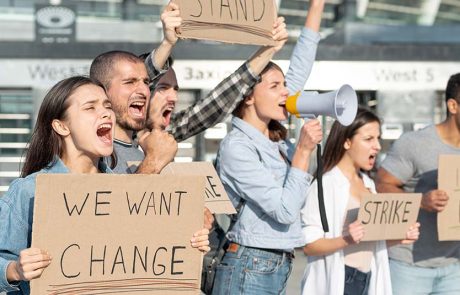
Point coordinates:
[(104, 132), (372, 159), (167, 114), (282, 104), (137, 108)]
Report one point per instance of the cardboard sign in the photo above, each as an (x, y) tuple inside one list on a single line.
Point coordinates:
[(233, 21), (215, 196), (118, 234), (388, 216), (449, 181)]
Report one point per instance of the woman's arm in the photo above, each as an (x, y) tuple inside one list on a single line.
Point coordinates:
[(304, 53), (327, 246)]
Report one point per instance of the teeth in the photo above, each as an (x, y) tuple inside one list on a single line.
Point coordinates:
[(107, 126), (138, 103)]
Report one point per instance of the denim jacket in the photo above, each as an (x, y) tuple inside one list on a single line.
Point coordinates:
[(16, 212), (251, 168)]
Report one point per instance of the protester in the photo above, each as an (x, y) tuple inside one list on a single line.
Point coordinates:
[(74, 130), (265, 176), (338, 262), (219, 103), (130, 100), (428, 266)]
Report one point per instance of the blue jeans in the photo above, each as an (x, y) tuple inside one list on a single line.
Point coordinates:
[(252, 271), (411, 280), (356, 282)]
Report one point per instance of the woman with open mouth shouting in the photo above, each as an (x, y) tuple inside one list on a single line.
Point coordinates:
[(338, 261), (74, 130)]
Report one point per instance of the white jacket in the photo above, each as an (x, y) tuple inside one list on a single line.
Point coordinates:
[(325, 275)]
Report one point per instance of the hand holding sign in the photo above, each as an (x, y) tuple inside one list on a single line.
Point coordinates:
[(200, 240), (355, 232), (171, 21), (434, 201), (412, 234), (30, 265), (280, 34)]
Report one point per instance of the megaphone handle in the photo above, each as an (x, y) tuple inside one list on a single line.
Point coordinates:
[(319, 179)]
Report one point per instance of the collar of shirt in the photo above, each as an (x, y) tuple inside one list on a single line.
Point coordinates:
[(59, 167), (259, 137)]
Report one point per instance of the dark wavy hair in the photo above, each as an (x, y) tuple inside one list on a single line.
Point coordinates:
[(334, 148), (45, 144)]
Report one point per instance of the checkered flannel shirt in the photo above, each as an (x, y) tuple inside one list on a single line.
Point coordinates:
[(213, 108)]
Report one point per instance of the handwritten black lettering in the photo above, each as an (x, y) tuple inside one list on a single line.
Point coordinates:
[(165, 202), (75, 208), (228, 6), (93, 260), (161, 265), (211, 193), (151, 204), (62, 262), (101, 203), (398, 205), (122, 260), (143, 261), (135, 205), (261, 13), (174, 261), (200, 10), (167, 205), (368, 212), (377, 204), (384, 212), (406, 211)]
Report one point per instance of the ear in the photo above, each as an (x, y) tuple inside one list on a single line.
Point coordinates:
[(347, 144), (249, 100), (60, 127), (452, 106)]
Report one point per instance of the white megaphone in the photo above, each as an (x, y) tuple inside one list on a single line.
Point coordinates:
[(341, 104)]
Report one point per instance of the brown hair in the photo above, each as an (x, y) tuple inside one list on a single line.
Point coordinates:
[(45, 144), (334, 148), (102, 66)]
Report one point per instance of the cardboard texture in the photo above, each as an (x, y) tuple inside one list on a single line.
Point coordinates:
[(215, 197), (118, 234), (388, 216), (233, 21), (449, 181)]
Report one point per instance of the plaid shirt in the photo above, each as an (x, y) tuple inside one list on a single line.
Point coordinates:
[(213, 108)]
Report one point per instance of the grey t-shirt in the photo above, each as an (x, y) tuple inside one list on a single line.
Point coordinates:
[(413, 159), (128, 157)]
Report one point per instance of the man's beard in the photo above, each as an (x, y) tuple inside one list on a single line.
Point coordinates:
[(129, 124)]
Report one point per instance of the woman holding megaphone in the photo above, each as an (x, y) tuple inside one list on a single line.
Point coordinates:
[(266, 177), (338, 261)]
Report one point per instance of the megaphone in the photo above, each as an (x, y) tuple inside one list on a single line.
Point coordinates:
[(341, 104)]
